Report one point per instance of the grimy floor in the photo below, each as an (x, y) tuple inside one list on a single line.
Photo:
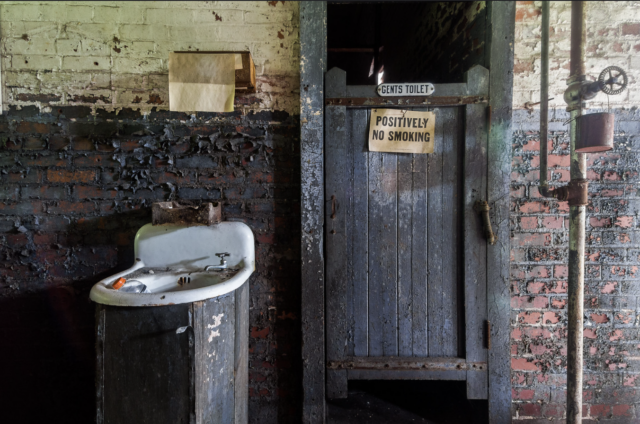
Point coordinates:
[(399, 402)]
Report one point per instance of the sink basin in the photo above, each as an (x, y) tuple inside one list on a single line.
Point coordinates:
[(170, 262)]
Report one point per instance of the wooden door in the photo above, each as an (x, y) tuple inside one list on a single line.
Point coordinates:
[(405, 250)]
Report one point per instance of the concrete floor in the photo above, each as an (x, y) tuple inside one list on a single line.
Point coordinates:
[(397, 402)]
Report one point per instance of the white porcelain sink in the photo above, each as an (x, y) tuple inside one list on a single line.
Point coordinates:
[(171, 262)]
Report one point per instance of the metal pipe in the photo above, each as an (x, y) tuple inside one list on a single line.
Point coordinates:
[(544, 102), (578, 39), (577, 215)]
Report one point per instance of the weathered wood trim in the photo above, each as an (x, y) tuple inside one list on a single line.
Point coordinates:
[(406, 375), (241, 354), (501, 17), (452, 89), (475, 244), (404, 101), (407, 363), (100, 327), (336, 232), (313, 46)]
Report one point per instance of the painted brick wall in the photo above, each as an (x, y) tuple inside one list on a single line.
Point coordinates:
[(539, 227), (87, 144), (613, 38), (110, 55)]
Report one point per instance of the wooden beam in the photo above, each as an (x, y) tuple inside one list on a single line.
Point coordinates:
[(501, 17), (313, 46)]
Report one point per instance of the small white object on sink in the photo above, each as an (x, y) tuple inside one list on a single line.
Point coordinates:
[(226, 250)]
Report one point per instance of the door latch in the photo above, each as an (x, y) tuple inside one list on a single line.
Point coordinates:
[(482, 207)]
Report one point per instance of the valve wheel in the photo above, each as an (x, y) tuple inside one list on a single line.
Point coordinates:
[(610, 80)]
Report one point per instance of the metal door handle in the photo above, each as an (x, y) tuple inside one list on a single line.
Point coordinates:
[(482, 207)]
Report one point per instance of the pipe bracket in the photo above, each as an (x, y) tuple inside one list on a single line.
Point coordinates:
[(576, 192)]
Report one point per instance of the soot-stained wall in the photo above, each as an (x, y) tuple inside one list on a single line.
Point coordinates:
[(87, 144), (434, 42)]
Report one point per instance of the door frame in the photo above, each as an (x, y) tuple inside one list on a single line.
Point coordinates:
[(313, 60)]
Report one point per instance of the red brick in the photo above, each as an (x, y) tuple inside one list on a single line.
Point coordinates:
[(529, 317), (530, 409), (550, 318), (523, 364), (589, 333), (42, 239), (522, 394), (33, 143), (560, 271), (599, 222), (529, 222), (64, 176), (95, 160), (32, 127), (600, 411), (16, 240), (610, 193), (538, 272), (534, 207), (616, 335), (169, 177), (532, 239), (257, 333), (83, 143), (529, 302), (536, 287), (621, 410), (64, 207), (517, 192), (611, 176), (265, 238), (558, 302), (630, 29), (624, 221), (58, 143), (599, 318), (552, 222), (20, 177)]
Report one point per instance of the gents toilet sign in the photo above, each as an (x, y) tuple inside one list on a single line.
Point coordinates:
[(403, 131), (406, 89)]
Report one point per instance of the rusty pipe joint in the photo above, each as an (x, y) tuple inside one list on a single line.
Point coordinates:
[(576, 192), (574, 93)]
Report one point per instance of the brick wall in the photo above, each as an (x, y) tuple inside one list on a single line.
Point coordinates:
[(539, 227), (87, 144), (613, 38), (110, 55)]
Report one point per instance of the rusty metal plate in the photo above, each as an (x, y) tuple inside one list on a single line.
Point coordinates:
[(595, 133), (176, 213)]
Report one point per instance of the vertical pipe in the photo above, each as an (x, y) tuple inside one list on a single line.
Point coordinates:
[(544, 101), (577, 216)]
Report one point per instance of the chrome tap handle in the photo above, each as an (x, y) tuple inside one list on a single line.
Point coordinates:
[(222, 256)]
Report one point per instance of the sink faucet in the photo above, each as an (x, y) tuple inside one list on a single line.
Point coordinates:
[(223, 263)]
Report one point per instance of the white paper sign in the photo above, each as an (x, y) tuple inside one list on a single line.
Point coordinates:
[(404, 131)]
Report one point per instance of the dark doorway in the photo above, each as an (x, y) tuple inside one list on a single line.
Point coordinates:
[(427, 402), (405, 41)]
